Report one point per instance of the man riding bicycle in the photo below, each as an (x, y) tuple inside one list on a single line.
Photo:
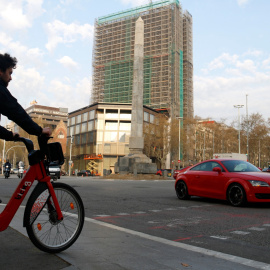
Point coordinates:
[(9, 105)]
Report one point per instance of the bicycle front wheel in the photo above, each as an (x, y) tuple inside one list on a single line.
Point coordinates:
[(44, 229)]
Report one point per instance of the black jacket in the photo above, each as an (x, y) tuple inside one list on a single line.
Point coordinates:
[(15, 112)]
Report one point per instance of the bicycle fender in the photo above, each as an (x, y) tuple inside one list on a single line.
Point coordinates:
[(40, 187)]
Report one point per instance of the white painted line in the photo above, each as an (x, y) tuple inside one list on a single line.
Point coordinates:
[(240, 232), (139, 212), (122, 214), (266, 225), (256, 229), (220, 237), (208, 252), (171, 209), (155, 211)]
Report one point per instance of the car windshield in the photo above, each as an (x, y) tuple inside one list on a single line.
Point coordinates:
[(239, 166)]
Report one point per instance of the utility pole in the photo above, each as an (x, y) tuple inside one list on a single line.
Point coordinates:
[(239, 127), (247, 127)]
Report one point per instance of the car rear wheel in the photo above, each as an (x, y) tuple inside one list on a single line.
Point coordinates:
[(182, 190), (236, 195)]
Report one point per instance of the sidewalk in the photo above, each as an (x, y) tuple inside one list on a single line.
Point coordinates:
[(105, 246)]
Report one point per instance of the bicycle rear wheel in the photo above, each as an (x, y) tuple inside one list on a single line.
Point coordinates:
[(44, 229)]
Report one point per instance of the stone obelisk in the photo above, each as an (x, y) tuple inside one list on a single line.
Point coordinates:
[(136, 141), (136, 162)]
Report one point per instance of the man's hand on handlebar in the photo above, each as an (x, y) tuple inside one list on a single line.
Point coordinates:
[(47, 131)]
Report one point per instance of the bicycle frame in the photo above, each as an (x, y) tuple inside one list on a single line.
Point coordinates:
[(35, 172)]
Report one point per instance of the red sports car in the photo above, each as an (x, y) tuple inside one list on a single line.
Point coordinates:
[(226, 179)]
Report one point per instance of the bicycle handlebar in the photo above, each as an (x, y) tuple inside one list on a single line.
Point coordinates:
[(42, 141)]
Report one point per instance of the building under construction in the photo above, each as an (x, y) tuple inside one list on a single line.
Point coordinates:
[(168, 57)]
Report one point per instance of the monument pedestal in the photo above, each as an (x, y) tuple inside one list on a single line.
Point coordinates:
[(135, 163)]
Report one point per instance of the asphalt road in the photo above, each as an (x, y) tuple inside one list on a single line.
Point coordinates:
[(151, 207)]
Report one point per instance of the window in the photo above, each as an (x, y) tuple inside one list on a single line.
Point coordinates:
[(112, 114), (77, 129), (207, 167), (90, 125), (84, 126), (72, 121), (91, 114), (146, 116), (152, 118), (71, 131), (84, 138), (84, 117), (110, 136), (125, 126), (79, 119), (111, 125)]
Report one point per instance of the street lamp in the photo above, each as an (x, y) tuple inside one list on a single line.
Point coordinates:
[(180, 118), (5, 154), (238, 107)]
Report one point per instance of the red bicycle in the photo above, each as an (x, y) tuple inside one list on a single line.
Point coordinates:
[(54, 213)]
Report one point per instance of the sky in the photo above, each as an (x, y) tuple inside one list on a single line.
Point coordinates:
[(53, 41)]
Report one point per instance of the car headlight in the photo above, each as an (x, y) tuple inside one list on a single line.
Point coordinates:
[(256, 183)]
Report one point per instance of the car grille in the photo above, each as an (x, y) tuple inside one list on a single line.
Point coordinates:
[(262, 196)]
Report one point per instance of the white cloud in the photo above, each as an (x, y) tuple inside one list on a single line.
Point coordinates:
[(68, 63), (65, 95), (222, 60), (216, 93), (266, 63), (28, 56), (59, 32), (27, 85), (242, 2), (19, 14), (135, 2)]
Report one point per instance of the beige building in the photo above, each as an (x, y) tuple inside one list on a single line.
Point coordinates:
[(99, 134)]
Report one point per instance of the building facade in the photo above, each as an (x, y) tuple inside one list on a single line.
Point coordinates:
[(168, 59), (99, 134), (55, 118)]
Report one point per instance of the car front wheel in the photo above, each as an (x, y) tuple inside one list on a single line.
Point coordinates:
[(182, 190), (236, 195)]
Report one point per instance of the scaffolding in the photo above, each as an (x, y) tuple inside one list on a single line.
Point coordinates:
[(164, 57)]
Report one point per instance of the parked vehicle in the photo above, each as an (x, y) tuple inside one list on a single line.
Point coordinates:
[(233, 180), (175, 173), (84, 173), (54, 171), (231, 155), (266, 170)]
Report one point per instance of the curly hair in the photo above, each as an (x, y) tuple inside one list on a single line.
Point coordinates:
[(6, 61)]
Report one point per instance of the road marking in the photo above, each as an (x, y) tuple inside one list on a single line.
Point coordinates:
[(267, 225), (208, 252), (122, 214), (220, 237), (256, 229), (155, 211), (240, 232), (139, 212)]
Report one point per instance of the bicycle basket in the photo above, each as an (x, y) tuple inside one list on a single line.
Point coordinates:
[(55, 153)]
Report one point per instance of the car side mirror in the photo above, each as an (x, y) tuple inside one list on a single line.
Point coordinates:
[(217, 169)]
